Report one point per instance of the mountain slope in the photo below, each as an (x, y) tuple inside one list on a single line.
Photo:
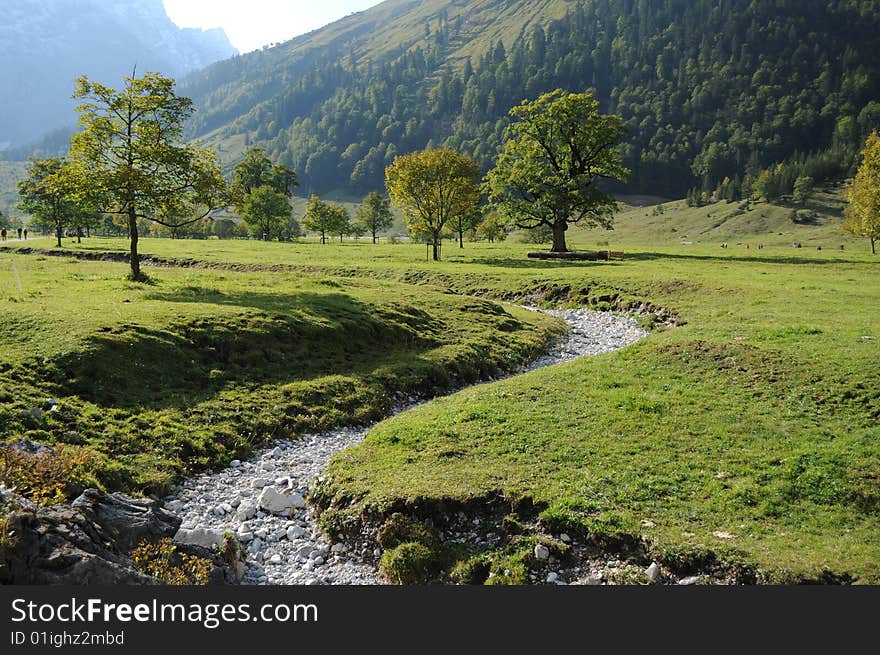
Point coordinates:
[(708, 90), (44, 46)]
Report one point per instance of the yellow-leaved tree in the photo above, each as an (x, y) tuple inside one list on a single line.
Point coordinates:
[(863, 194), (434, 188)]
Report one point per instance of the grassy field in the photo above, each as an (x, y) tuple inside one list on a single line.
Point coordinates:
[(201, 367), (748, 433)]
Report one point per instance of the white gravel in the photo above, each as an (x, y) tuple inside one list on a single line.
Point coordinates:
[(290, 549)]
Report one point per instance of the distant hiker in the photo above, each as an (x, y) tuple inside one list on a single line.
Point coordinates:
[(3, 234), (19, 234)]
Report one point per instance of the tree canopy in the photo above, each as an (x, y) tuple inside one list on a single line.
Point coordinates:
[(260, 190), (48, 193), (131, 158), (374, 214), (863, 194), (557, 149), (432, 188), (326, 218)]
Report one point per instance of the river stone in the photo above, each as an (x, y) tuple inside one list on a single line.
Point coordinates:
[(278, 503), (246, 511), (200, 536), (653, 572)]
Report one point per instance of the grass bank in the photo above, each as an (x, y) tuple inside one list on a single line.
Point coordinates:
[(153, 382)]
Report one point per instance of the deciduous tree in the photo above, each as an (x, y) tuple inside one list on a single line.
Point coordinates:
[(375, 214), (131, 157), (49, 194), (492, 228), (326, 218), (265, 211), (432, 188), (557, 149), (259, 190), (863, 194)]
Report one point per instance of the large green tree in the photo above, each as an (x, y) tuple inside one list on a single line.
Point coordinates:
[(374, 214), (259, 190), (863, 194), (49, 194), (265, 211), (556, 151), (130, 155), (432, 188)]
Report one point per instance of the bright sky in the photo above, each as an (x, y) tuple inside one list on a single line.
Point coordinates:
[(251, 24)]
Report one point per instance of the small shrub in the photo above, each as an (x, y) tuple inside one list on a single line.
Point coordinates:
[(162, 561), (408, 563), (399, 529), (629, 575), (232, 552), (474, 570), (50, 478)]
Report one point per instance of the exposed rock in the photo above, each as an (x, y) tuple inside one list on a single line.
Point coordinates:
[(86, 542), (278, 503), (125, 520), (542, 553), (200, 536), (28, 447), (653, 572), (89, 542)]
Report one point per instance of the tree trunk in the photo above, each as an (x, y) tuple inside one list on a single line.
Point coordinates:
[(58, 233), (559, 229), (134, 259), (873, 247), (323, 237), (374, 237), (436, 244), (460, 238)]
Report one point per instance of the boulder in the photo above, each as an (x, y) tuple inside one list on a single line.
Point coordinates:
[(127, 521), (278, 503), (204, 537), (84, 543), (89, 542)]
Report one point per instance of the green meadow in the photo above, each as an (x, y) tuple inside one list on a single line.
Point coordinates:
[(748, 433)]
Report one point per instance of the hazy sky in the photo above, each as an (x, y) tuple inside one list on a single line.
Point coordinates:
[(251, 24)]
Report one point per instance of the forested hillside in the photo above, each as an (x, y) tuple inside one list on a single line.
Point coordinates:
[(709, 89)]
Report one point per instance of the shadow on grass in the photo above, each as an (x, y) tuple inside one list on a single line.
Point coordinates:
[(756, 259), (536, 264), (296, 337)]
